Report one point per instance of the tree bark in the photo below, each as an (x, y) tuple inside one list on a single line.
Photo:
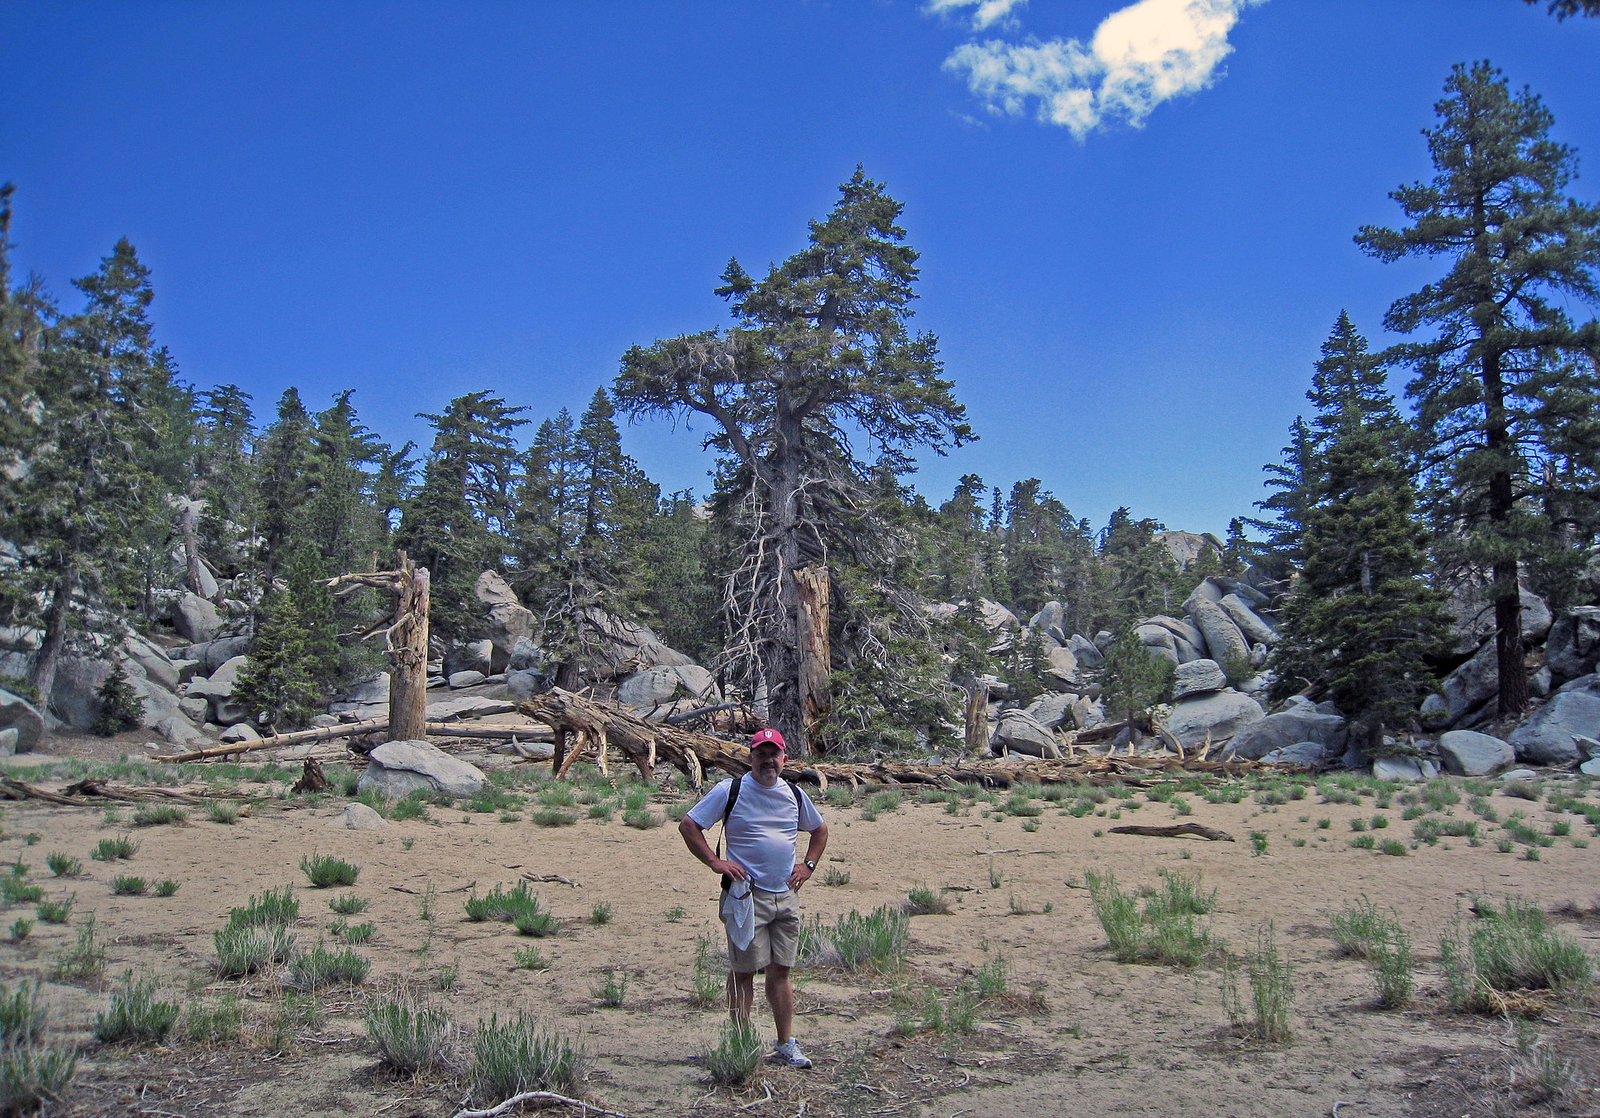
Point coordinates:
[(43, 676), (815, 660), (1513, 673), (977, 716), (408, 651), (191, 550)]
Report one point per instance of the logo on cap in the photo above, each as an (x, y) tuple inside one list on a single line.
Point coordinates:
[(768, 736)]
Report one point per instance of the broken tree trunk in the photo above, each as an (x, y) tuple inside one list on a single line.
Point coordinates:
[(408, 650), (977, 716), (405, 638), (815, 656)]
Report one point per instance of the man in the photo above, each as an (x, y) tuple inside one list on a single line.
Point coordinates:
[(768, 813)]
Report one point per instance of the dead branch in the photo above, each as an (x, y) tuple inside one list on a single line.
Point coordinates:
[(87, 789), (539, 1096), (1176, 830)]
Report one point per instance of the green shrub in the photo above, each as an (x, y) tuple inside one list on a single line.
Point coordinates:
[(1524, 789), (518, 1056), (410, 1037), (275, 906), (63, 866), (219, 1022), (736, 1054), (414, 806), (320, 968), (127, 885), (1392, 847), (325, 870), (347, 904), (17, 890), (23, 1014), (1393, 968), (1364, 842), (357, 934), (1361, 929), (31, 1076), (167, 888), (1505, 950), (601, 913), (110, 849), (551, 817), (530, 958), (923, 901), (612, 990), (535, 922), (120, 707), (875, 941), (1271, 980), (85, 958), (158, 815), (1165, 931), (833, 875), (135, 1014), (220, 811), (993, 978), (710, 976), (641, 820), (244, 949)]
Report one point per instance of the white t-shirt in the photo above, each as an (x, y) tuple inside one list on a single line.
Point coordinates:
[(762, 828)]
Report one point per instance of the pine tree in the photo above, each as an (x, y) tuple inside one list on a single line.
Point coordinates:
[(820, 355), (1133, 682), (584, 511), (1362, 618), (1294, 478), (1522, 253), (452, 524), (283, 484), (223, 472), (90, 493), (278, 685), (120, 708)]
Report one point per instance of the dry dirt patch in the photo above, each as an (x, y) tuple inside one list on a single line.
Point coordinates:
[(1077, 1028)]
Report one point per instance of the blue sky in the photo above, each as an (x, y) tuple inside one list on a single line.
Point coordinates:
[(1135, 219)]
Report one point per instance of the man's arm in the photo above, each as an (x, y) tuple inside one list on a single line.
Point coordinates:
[(694, 837), (814, 848)]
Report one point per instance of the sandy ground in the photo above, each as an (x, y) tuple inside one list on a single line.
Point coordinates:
[(1078, 1033)]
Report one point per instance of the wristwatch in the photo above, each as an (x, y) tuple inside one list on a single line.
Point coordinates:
[(812, 866)]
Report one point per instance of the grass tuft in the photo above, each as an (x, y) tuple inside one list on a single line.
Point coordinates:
[(135, 1014), (518, 1056), (325, 870), (736, 1054), (410, 1036)]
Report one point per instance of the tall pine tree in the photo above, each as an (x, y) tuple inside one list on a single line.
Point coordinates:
[(1523, 255), (1362, 618)]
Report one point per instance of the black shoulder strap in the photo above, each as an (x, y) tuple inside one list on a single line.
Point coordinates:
[(733, 798)]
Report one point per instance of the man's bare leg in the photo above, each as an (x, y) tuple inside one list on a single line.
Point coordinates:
[(741, 992), (780, 996)]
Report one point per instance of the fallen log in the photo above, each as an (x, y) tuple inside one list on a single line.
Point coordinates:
[(587, 729), (76, 795), (1176, 830), (351, 729)]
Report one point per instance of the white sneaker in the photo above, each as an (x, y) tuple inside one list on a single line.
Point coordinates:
[(788, 1052)]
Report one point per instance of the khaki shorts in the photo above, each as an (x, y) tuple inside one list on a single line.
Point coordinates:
[(777, 938)]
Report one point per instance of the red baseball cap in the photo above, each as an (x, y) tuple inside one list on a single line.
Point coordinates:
[(768, 736)]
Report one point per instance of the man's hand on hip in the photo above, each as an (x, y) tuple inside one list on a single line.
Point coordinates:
[(801, 875)]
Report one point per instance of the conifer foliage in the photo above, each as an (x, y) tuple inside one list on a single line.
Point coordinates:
[(1362, 618), (820, 356), (1523, 256)]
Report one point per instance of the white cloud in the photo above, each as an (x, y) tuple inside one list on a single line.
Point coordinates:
[(1140, 56), (986, 13)]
